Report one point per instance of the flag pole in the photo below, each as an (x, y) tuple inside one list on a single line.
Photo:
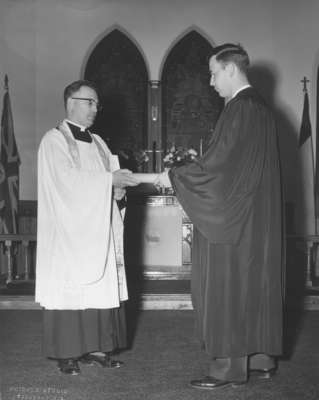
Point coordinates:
[(308, 174)]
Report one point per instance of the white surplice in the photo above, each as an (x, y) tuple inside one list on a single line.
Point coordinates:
[(80, 230)]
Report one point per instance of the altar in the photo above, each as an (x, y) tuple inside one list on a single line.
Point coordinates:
[(157, 237)]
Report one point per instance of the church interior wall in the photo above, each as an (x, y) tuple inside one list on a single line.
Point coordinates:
[(44, 45)]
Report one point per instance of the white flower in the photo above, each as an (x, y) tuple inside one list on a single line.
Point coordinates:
[(193, 152)]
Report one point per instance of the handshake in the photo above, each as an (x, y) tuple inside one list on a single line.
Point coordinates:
[(124, 177), (160, 180)]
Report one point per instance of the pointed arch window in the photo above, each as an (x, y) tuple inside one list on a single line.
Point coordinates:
[(118, 69), (190, 107)]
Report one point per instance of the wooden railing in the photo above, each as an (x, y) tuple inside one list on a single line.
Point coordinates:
[(17, 257), (310, 245)]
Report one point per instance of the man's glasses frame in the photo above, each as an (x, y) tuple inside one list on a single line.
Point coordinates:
[(91, 102)]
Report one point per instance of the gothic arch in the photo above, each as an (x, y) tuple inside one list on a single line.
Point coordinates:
[(190, 107), (192, 28), (118, 68), (99, 38)]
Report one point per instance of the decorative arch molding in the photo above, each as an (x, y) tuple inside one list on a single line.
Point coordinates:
[(192, 28), (117, 66), (106, 32), (190, 107)]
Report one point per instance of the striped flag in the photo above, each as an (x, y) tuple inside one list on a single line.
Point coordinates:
[(9, 170)]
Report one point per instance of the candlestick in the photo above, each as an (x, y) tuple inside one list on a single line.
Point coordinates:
[(154, 156), (154, 113), (201, 147)]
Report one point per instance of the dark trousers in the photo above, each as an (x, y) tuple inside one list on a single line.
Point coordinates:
[(237, 369), (72, 333)]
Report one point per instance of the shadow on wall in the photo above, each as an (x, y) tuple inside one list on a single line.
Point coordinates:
[(264, 78)]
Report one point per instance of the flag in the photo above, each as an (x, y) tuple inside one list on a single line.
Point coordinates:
[(9, 170), (316, 271), (317, 160), (307, 206), (305, 129)]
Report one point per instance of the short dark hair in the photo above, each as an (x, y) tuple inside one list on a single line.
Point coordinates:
[(230, 52), (75, 86)]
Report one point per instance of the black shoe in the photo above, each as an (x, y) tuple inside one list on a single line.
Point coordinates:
[(69, 366), (263, 373), (104, 361), (209, 382)]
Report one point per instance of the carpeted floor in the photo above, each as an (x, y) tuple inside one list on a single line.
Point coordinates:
[(163, 358)]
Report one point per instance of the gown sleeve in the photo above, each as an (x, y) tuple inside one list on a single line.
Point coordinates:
[(217, 191)]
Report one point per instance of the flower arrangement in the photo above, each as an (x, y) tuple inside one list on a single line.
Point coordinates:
[(140, 157), (177, 156), (135, 159)]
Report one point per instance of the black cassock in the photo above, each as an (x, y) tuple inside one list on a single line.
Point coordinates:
[(233, 197)]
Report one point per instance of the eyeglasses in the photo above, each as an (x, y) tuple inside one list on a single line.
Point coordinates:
[(91, 102)]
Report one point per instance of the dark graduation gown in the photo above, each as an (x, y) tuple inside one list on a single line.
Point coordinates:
[(233, 197)]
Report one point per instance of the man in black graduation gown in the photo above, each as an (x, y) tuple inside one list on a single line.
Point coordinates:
[(232, 194)]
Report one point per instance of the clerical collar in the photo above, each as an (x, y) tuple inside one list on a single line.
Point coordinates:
[(239, 90), (79, 132)]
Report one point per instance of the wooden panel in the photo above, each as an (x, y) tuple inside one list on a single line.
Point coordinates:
[(27, 219), (153, 233)]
